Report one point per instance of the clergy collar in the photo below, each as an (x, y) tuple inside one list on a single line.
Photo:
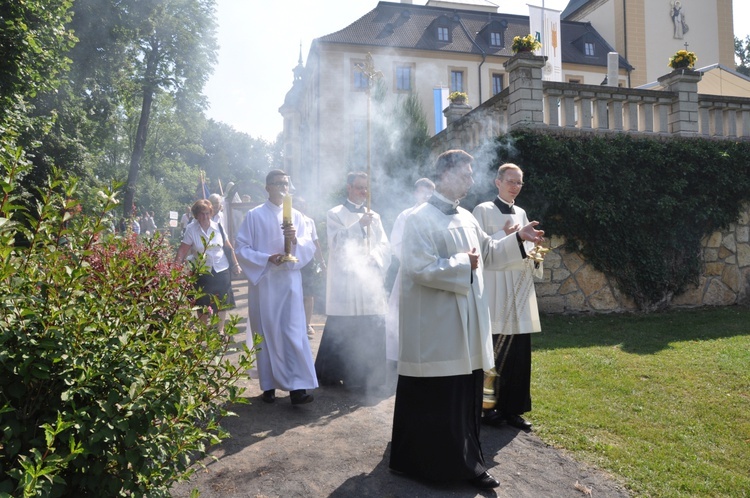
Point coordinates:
[(356, 207), (438, 195), (504, 207)]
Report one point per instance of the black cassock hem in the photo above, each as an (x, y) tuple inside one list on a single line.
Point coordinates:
[(436, 427)]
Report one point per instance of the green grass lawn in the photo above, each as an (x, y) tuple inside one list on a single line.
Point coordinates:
[(661, 401)]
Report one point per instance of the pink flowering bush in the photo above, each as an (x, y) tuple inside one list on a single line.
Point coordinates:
[(109, 384)]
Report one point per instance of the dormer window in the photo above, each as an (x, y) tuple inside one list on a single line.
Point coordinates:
[(588, 48), (493, 34), (443, 34)]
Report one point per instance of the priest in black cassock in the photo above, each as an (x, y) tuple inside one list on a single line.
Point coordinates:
[(352, 349), (445, 343)]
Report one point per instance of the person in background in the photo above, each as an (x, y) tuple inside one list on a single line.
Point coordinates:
[(513, 306), (423, 189), (313, 270), (148, 226), (352, 349), (444, 331), (187, 218), (217, 205), (275, 308), (205, 239)]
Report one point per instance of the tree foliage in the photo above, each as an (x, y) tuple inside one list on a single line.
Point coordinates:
[(33, 42), (742, 53), (109, 384)]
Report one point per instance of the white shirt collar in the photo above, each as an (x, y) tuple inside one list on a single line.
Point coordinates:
[(505, 202), (445, 199), (357, 206)]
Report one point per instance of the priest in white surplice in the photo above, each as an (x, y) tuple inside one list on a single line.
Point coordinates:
[(352, 349), (513, 305), (275, 306), (444, 332)]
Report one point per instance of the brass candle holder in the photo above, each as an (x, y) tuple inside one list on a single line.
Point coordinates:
[(286, 215)]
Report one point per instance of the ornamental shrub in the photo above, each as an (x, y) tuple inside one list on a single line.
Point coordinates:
[(109, 384), (636, 208)]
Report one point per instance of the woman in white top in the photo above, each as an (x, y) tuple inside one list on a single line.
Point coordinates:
[(206, 239)]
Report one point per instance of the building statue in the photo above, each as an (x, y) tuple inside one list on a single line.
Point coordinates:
[(678, 20)]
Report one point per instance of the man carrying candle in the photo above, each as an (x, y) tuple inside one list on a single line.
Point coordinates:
[(352, 349), (272, 246)]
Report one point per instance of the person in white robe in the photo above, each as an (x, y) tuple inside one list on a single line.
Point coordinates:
[(445, 339), (423, 189), (352, 348), (275, 308), (513, 305)]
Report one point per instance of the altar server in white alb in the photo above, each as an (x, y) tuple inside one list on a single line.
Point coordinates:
[(352, 349), (513, 305), (275, 307), (444, 332)]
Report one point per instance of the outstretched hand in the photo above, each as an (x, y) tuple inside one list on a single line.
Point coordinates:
[(510, 228), (528, 232)]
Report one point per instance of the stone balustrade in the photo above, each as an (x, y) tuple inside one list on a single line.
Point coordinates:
[(530, 102), (571, 284)]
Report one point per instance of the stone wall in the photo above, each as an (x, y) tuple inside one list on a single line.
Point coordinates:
[(570, 284)]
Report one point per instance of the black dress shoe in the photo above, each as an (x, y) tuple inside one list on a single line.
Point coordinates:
[(269, 396), (484, 481), (518, 422), (493, 418), (300, 397)]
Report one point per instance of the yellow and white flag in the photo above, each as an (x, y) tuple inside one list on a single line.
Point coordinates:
[(544, 24)]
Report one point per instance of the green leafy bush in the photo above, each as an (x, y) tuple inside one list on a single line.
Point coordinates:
[(109, 384), (636, 208)]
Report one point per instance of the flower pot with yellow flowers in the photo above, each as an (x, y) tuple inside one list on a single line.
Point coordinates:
[(682, 59), (458, 97), (526, 43)]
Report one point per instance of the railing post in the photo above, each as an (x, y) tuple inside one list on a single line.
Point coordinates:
[(454, 112), (526, 95), (683, 116)]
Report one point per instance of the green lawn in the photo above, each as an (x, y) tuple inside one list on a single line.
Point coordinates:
[(662, 401)]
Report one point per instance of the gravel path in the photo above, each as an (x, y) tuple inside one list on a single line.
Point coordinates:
[(338, 446)]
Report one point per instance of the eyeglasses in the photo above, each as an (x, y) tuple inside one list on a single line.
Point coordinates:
[(514, 183), (280, 184)]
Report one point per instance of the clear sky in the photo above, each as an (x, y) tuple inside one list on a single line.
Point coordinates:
[(260, 45)]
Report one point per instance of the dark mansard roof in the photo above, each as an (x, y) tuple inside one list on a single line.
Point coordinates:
[(409, 26)]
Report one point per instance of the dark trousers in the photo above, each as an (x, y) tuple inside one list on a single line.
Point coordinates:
[(513, 382)]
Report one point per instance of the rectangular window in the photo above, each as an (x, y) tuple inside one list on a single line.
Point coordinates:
[(496, 40), (588, 48), (442, 33), (359, 80), (403, 78), (457, 81), (497, 83)]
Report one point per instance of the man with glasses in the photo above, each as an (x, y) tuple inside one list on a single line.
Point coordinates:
[(275, 308), (444, 331), (352, 349), (513, 305)]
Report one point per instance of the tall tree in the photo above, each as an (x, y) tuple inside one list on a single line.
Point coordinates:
[(742, 52), (33, 43), (174, 51)]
